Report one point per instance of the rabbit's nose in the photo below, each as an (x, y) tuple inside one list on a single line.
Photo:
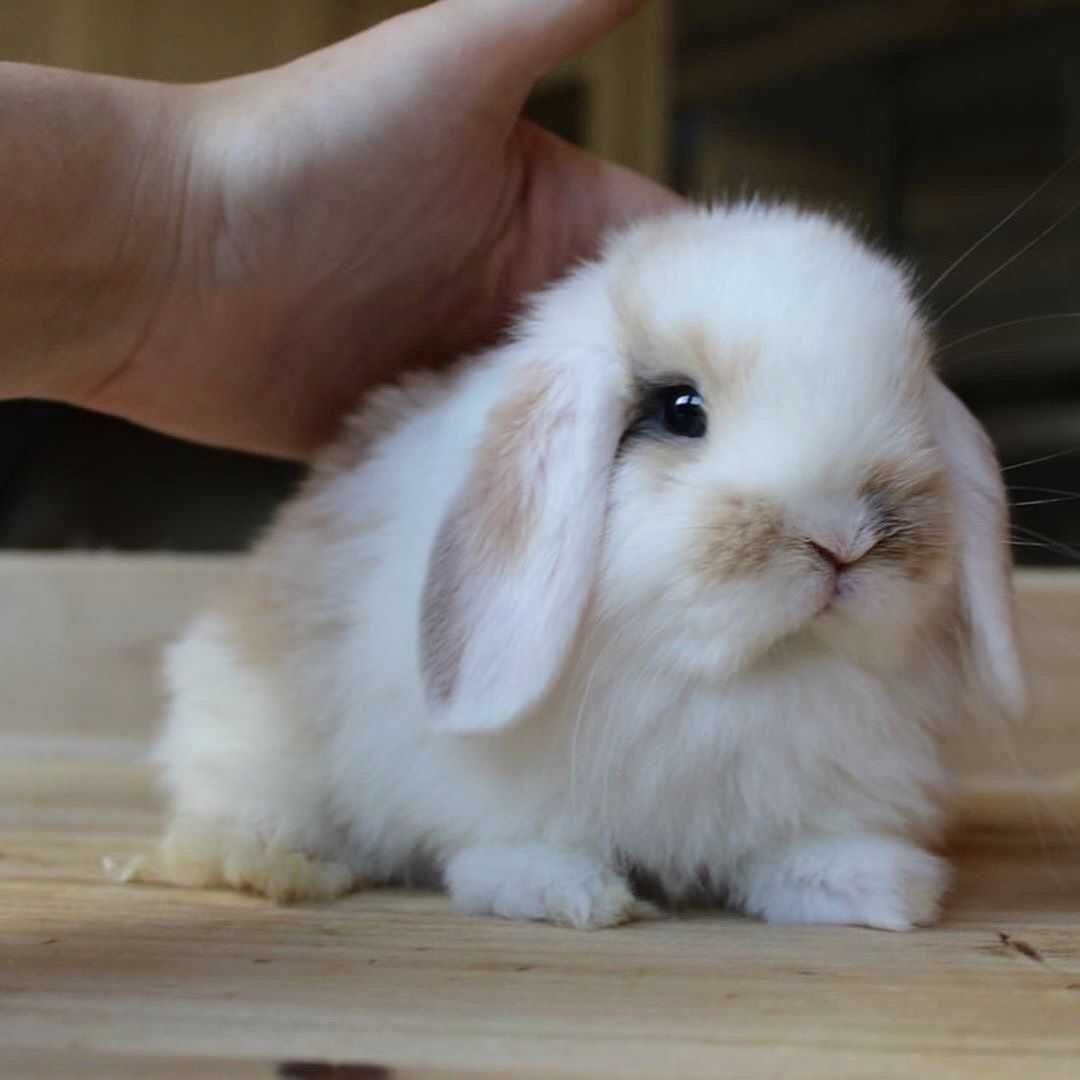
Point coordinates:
[(830, 556), (838, 556)]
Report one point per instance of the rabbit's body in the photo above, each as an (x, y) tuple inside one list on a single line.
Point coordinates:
[(463, 656)]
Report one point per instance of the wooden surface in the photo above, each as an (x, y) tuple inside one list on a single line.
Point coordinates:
[(103, 980)]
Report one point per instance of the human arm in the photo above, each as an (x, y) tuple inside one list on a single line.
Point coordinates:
[(236, 262)]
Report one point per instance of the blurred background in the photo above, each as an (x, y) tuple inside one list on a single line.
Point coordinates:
[(928, 121)]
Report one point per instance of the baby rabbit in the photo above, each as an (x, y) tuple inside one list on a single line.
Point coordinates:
[(687, 579)]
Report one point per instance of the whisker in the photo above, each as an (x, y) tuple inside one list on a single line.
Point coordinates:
[(1045, 457), (1032, 532), (1052, 549), (1003, 325), (1010, 260), (1041, 490), (1001, 224), (1046, 502), (1059, 547)]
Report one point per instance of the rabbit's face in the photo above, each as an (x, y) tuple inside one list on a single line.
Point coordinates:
[(777, 480), (722, 439)]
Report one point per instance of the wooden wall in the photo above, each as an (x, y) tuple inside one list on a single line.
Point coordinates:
[(178, 40)]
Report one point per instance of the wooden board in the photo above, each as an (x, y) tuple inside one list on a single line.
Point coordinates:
[(142, 981)]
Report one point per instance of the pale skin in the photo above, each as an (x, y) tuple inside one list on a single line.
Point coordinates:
[(235, 263)]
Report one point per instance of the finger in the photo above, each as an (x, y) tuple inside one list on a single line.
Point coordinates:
[(525, 39)]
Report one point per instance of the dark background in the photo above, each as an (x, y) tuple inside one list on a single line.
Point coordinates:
[(929, 123)]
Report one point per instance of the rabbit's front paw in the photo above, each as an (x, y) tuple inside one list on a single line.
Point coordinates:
[(208, 856), (875, 881), (541, 883)]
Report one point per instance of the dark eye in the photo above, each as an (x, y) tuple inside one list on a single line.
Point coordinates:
[(682, 411)]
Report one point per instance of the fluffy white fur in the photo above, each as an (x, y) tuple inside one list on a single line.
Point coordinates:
[(396, 690)]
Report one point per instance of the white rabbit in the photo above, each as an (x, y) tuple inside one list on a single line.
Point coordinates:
[(686, 580)]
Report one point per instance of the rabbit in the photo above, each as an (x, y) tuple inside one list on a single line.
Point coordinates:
[(686, 580)]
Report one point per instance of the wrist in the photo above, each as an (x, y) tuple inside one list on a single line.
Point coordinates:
[(91, 224)]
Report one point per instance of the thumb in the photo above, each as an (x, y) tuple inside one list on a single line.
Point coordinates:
[(525, 39)]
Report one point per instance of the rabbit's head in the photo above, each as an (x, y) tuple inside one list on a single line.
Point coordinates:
[(724, 438)]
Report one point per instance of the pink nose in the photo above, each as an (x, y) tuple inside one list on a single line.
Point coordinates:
[(838, 561)]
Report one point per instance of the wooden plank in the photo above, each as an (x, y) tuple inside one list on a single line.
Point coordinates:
[(395, 980), (144, 981), (23, 1066)]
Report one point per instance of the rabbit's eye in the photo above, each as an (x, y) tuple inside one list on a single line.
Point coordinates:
[(682, 411), (671, 407)]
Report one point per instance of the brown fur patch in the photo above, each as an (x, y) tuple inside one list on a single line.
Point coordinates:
[(739, 537), (913, 517), (904, 481), (719, 368), (636, 339), (491, 522), (697, 345), (497, 505)]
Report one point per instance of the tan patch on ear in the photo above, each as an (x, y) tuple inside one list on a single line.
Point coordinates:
[(490, 523), (498, 503), (912, 504), (739, 538)]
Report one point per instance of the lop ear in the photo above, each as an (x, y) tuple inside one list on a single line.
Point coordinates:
[(981, 525), (514, 562)]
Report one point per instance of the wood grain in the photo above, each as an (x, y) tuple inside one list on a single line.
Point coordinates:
[(144, 981)]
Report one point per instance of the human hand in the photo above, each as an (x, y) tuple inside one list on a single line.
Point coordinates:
[(371, 206)]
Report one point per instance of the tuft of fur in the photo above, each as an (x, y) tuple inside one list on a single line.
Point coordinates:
[(512, 639)]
